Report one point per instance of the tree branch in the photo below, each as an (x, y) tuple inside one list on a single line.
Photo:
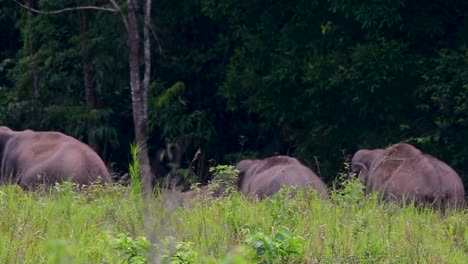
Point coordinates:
[(153, 30), (119, 10), (69, 9)]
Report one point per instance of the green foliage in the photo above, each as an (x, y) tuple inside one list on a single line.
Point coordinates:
[(225, 180), (169, 95), (134, 171), (283, 246), (183, 253), (134, 251), (351, 190), (219, 170), (312, 79), (372, 15), (171, 113), (103, 225)]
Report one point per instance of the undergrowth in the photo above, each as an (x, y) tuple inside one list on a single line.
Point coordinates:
[(105, 224)]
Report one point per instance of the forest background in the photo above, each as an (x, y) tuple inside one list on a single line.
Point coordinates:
[(316, 80)]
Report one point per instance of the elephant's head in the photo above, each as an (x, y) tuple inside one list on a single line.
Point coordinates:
[(362, 162)]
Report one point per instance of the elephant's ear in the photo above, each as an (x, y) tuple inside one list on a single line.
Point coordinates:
[(361, 170)]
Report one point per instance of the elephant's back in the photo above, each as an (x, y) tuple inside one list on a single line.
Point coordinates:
[(89, 166), (392, 164), (405, 171), (272, 163), (38, 145), (271, 180), (299, 175), (64, 157)]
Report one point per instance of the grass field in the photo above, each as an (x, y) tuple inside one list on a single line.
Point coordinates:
[(112, 225)]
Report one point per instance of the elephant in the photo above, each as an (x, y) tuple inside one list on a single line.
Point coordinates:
[(402, 172), (264, 177), (31, 158), (259, 179)]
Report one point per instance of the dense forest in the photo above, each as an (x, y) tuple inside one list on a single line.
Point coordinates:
[(316, 80)]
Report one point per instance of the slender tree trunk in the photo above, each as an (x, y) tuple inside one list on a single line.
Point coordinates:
[(139, 98), (32, 53), (147, 51), (90, 89)]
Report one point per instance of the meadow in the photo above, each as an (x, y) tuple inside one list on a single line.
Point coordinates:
[(113, 224)]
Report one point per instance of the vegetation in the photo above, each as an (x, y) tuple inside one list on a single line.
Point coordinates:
[(110, 224), (313, 79), (105, 225), (316, 80)]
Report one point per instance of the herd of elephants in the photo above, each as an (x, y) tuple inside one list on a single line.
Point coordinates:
[(401, 171)]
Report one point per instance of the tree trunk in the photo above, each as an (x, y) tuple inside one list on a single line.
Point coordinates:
[(147, 50), (32, 53), (139, 98), (90, 89)]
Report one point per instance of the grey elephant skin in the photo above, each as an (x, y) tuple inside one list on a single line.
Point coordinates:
[(31, 158), (404, 173), (265, 177)]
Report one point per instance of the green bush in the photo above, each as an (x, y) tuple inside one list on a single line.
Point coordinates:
[(283, 246)]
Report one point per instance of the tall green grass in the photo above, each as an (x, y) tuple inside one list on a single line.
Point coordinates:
[(114, 224), (100, 224)]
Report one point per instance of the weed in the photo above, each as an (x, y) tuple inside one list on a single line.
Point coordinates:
[(183, 253), (224, 180), (351, 191), (134, 251), (282, 247), (134, 171)]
